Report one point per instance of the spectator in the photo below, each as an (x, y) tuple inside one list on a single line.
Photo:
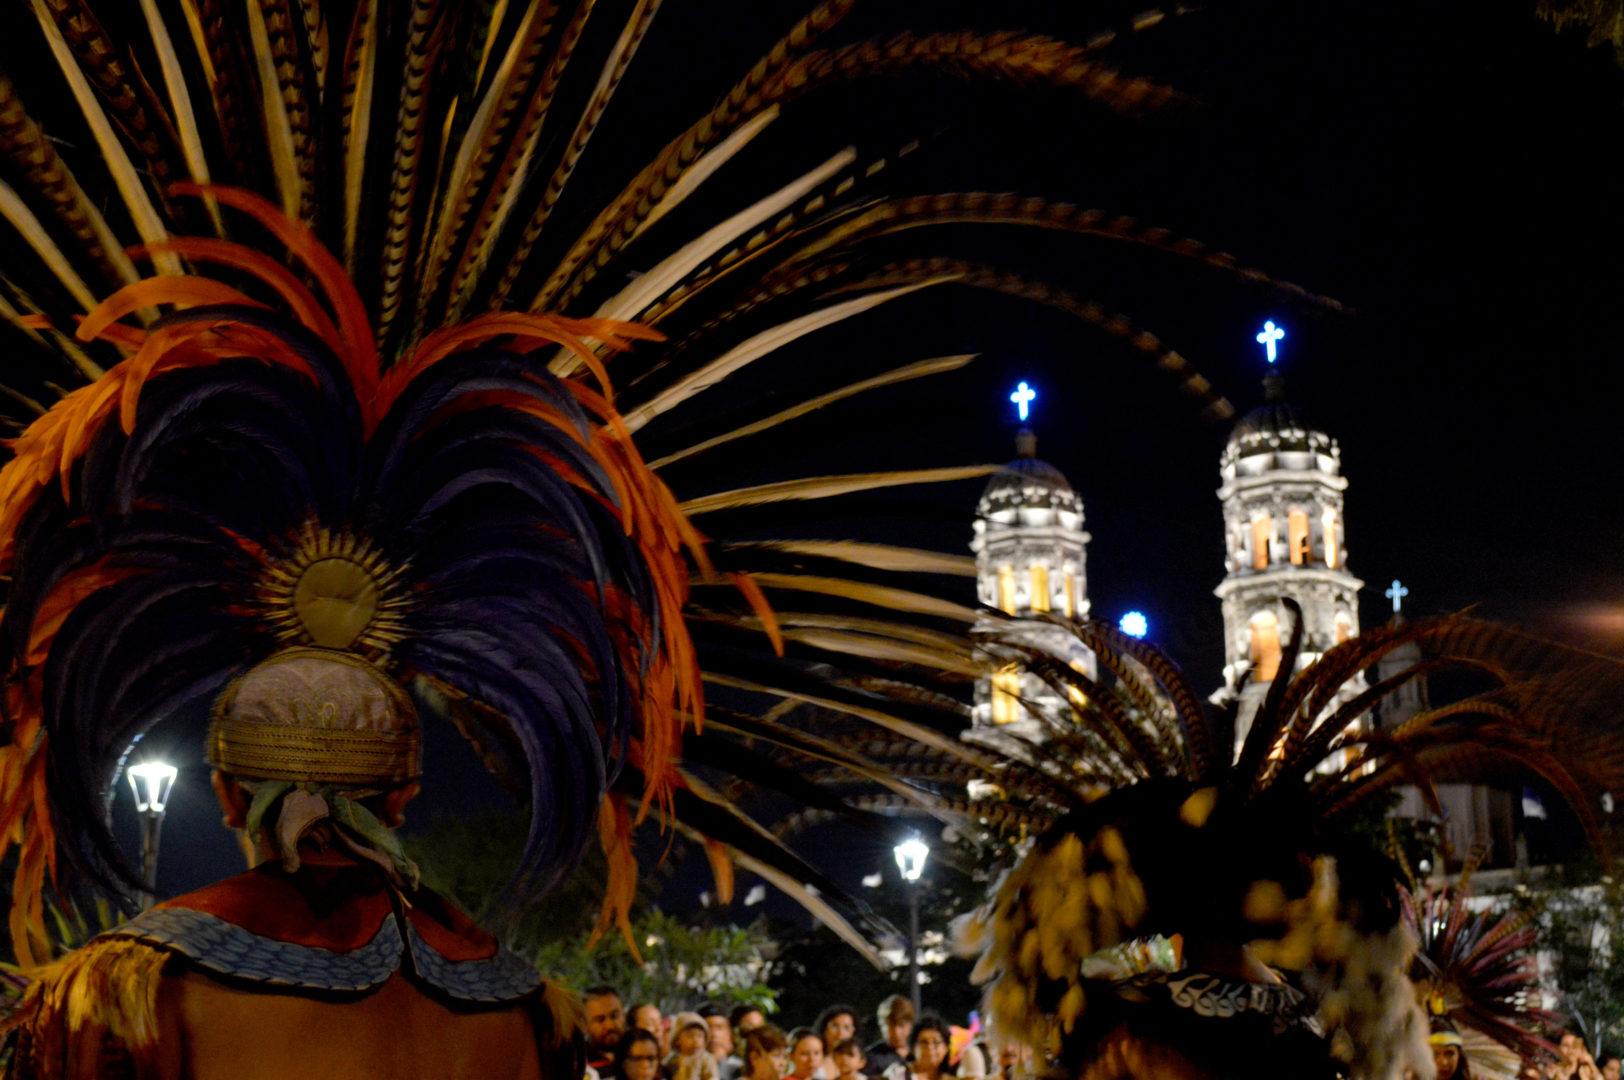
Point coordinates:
[(847, 1060), (765, 1054), (835, 1024), (1573, 1061), (690, 1060), (1612, 1068), (1449, 1052), (1014, 1062), (896, 1017), (646, 1017), (928, 1060), (721, 1033), (637, 1056), (605, 1024), (743, 1019), (805, 1053)]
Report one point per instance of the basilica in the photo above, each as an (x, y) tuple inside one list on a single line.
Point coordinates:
[(1281, 492)]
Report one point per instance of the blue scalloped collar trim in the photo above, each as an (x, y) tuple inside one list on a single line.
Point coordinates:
[(225, 948)]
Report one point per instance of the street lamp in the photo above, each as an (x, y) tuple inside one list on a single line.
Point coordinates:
[(911, 855), (152, 782)]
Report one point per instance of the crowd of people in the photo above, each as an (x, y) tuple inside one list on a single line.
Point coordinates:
[(639, 1043), (740, 1044)]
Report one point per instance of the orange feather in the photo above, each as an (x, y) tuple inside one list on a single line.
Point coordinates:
[(360, 355), (187, 291), (304, 305), (615, 834), (758, 603)]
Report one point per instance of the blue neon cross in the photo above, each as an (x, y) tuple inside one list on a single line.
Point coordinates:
[(1023, 397), (1271, 334), (1397, 593)]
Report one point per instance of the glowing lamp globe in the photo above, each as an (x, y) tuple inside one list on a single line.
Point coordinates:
[(151, 781), (911, 855), (1134, 624)]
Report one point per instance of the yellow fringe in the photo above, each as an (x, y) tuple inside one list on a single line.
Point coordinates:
[(562, 1005), (93, 1005)]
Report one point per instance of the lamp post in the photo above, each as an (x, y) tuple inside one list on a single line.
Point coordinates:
[(911, 855), (152, 782)]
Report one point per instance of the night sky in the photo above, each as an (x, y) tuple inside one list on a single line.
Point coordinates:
[(1446, 171)]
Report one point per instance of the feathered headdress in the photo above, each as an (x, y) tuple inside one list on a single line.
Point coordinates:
[(247, 481), (1248, 857), (1476, 968)]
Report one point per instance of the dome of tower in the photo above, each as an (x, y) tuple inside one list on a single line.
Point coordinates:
[(1028, 484), (1279, 435)]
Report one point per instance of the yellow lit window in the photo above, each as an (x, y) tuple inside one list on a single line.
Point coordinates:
[(1006, 590), (1071, 604), (1344, 627), (1006, 693), (1262, 532), (1332, 555), (1265, 646), (1040, 587), (1297, 526)]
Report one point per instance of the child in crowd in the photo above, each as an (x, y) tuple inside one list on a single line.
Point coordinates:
[(848, 1059), (805, 1053), (689, 1058)]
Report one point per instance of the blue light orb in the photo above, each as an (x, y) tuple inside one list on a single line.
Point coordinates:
[(1134, 624), (1023, 397)]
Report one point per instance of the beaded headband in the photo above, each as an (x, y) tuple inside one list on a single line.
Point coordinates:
[(312, 715)]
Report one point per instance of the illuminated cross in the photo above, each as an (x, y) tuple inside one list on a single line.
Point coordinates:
[(1397, 593), (1271, 334), (1023, 397)]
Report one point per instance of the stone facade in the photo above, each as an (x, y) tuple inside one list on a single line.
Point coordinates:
[(1283, 538), (1031, 556)]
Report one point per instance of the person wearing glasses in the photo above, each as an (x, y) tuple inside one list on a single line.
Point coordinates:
[(927, 1052), (637, 1056)]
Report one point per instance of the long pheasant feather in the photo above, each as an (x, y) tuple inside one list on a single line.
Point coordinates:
[(130, 187), (180, 101), (27, 145), (489, 129), (764, 343), (360, 73), (667, 169), (614, 69)]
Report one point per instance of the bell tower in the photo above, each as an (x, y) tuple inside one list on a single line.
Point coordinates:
[(1030, 549), (1283, 538)]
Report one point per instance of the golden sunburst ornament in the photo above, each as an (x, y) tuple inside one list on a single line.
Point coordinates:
[(335, 591)]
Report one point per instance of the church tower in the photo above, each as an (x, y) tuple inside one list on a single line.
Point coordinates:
[(1475, 817), (1030, 551), (1283, 537)]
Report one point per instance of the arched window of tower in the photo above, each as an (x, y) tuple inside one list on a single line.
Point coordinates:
[(1332, 549), (1006, 590), (1070, 597), (1262, 533), (1297, 528), (1006, 693), (1040, 588), (1344, 627), (1265, 652)]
